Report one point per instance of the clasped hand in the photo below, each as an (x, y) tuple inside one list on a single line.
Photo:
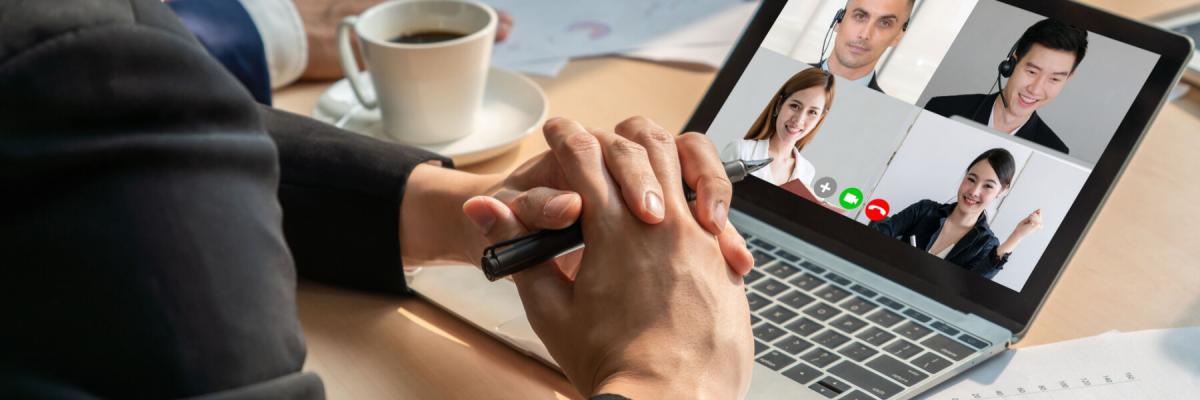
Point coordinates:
[(654, 306)]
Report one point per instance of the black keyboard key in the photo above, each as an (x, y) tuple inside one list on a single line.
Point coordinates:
[(835, 384), (776, 360), (752, 276), (875, 336), (761, 258), (948, 347), (822, 390), (832, 294), (941, 326), (903, 349), (760, 243), (781, 270), (857, 352), (857, 395), (860, 289), (804, 327), (858, 306), (914, 314), (754, 319), (778, 314), (770, 287), (745, 235), (802, 373), (847, 323), (789, 257), (898, 371), (838, 279), (889, 303), (931, 363), (759, 347), (867, 380), (807, 282), (912, 331), (819, 358), (796, 299), (885, 318), (830, 339), (813, 267), (793, 345), (974, 342), (767, 332), (822, 311), (756, 301)]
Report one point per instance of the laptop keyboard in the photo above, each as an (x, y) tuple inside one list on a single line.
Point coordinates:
[(838, 337)]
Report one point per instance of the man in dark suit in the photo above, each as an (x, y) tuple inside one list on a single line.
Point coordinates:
[(1041, 63), (155, 220), (865, 29)]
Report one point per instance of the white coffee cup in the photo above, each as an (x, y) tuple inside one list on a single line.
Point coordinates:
[(426, 92)]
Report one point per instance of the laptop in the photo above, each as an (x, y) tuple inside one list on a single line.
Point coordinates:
[(853, 295)]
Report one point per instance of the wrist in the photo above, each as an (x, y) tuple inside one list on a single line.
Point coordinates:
[(432, 224)]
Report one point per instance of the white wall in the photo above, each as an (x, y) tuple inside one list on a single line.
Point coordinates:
[(1053, 190)]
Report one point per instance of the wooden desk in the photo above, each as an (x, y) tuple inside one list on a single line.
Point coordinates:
[(1136, 269)]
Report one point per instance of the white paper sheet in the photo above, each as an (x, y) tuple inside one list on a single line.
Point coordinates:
[(1157, 364), (546, 31)]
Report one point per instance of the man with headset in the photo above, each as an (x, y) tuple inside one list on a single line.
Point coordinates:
[(1037, 67), (865, 29)]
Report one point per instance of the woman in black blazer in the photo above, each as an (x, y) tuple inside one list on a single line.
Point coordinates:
[(958, 232)]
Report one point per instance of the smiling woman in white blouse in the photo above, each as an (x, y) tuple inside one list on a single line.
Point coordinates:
[(785, 126)]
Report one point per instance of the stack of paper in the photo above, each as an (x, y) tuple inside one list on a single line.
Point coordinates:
[(548, 33), (1158, 364)]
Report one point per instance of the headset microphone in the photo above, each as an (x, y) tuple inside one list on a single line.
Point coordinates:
[(837, 19), (1006, 69)]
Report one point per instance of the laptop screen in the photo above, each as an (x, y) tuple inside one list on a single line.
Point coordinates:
[(964, 129)]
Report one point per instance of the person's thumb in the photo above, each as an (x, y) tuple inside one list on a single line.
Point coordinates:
[(494, 220), (544, 291)]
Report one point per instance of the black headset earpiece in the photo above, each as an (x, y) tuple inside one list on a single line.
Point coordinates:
[(1009, 64), (837, 18)]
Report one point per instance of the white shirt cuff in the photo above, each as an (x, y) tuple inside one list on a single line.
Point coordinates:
[(283, 37)]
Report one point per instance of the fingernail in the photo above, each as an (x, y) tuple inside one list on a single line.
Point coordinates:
[(720, 214), (483, 221), (654, 204), (557, 206)]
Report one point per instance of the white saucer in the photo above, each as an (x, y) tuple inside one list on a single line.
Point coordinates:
[(513, 107)]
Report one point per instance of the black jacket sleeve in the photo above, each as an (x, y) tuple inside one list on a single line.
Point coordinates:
[(341, 195), (903, 223), (986, 263), (142, 239)]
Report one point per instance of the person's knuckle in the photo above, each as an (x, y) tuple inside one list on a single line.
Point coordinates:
[(654, 136), (627, 150), (634, 123), (694, 140), (556, 123), (580, 144)]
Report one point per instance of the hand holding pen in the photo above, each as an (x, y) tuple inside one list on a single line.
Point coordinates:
[(627, 157), (512, 256), (637, 281)]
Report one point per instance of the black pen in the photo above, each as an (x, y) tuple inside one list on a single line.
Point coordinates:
[(516, 255)]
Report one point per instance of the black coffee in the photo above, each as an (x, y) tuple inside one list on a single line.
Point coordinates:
[(426, 37)]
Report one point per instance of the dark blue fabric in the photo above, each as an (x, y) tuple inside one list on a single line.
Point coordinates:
[(226, 30)]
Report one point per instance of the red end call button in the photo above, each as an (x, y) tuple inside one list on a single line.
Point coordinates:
[(878, 209)]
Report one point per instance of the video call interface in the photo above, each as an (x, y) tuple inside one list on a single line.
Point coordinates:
[(964, 129)]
